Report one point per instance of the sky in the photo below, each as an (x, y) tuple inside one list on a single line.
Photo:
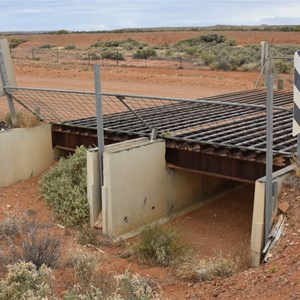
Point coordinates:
[(91, 15)]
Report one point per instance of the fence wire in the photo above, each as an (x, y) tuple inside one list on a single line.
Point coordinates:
[(236, 120)]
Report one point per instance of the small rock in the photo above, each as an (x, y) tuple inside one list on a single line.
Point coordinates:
[(294, 234), (8, 206), (283, 207)]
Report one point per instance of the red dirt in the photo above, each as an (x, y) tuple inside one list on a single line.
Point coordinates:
[(155, 38)]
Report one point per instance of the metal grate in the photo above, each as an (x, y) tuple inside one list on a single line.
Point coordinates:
[(235, 120)]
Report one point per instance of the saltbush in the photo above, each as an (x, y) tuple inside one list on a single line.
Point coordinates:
[(25, 281), (115, 55), (145, 53), (14, 43), (64, 188)]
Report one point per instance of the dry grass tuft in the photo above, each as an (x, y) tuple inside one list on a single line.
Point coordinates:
[(194, 269), (24, 119)]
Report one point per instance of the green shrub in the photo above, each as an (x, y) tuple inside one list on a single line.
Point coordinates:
[(14, 43), (62, 31), (157, 245), (128, 44), (48, 46), (213, 38), (115, 55), (208, 58), (145, 53), (25, 281), (64, 188), (191, 51), (92, 56), (283, 67), (70, 47)]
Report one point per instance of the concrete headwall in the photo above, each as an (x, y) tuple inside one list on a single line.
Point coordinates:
[(25, 152), (138, 189), (134, 191), (257, 233)]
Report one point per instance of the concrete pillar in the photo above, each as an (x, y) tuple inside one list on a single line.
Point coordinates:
[(93, 185)]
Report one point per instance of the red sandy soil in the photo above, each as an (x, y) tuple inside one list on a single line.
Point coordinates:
[(155, 38), (221, 225)]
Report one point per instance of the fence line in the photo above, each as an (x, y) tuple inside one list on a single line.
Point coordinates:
[(90, 57)]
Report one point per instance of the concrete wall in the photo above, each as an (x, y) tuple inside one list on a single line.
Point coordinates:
[(186, 188), (257, 233), (134, 191), (25, 152)]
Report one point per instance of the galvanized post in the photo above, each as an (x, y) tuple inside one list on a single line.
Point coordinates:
[(6, 82), (269, 158), (264, 58), (99, 116)]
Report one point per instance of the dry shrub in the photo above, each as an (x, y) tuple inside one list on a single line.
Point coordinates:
[(24, 119), (11, 226), (293, 179), (37, 248), (88, 236), (133, 286), (79, 293), (84, 264), (159, 245), (194, 269)]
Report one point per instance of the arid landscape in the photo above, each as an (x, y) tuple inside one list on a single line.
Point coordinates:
[(222, 226)]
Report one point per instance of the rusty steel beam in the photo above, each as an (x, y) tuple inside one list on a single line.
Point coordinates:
[(216, 165)]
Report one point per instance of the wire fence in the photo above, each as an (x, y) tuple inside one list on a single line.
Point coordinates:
[(91, 57), (236, 120)]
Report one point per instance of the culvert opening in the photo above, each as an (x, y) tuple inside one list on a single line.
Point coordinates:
[(221, 226)]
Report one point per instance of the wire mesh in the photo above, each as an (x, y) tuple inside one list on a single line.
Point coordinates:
[(235, 120)]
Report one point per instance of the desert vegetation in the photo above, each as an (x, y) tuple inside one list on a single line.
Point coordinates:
[(213, 50)]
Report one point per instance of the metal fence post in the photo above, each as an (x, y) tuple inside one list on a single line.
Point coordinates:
[(99, 116), (269, 158), (7, 74)]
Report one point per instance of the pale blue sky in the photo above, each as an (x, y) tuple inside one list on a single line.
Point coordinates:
[(27, 15)]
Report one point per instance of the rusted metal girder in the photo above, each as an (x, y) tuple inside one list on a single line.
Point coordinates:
[(216, 165), (66, 137), (239, 166)]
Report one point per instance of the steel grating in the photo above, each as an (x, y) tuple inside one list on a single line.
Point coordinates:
[(232, 124)]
